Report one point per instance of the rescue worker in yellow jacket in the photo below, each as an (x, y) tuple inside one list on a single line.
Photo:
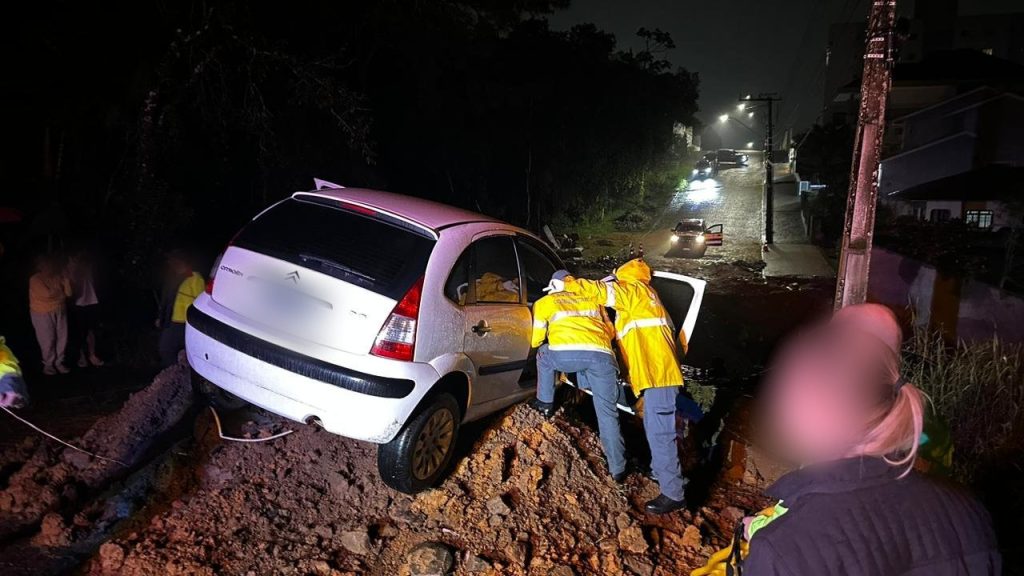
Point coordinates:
[(645, 334), (184, 285), (579, 340), (13, 393)]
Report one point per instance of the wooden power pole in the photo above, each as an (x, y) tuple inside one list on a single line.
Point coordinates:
[(855, 258)]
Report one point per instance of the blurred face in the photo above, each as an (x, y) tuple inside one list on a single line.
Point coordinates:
[(177, 266), (821, 395)]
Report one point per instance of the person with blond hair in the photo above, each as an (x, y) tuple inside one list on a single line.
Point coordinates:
[(837, 405)]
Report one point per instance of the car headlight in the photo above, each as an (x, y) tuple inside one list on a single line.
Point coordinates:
[(700, 239), (694, 170), (675, 238)]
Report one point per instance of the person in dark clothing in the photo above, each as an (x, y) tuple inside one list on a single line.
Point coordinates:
[(837, 405)]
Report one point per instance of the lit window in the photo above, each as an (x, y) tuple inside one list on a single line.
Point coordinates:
[(986, 51), (980, 218), (939, 215)]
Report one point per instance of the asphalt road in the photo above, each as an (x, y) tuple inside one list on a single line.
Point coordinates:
[(733, 198)]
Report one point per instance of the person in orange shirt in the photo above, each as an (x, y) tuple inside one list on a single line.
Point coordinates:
[(48, 291)]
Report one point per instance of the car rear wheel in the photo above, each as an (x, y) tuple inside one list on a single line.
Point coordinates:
[(415, 459)]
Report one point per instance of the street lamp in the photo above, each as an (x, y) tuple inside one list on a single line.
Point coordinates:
[(750, 145), (750, 114), (742, 106), (723, 118)]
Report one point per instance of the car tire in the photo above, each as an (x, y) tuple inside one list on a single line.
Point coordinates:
[(415, 459)]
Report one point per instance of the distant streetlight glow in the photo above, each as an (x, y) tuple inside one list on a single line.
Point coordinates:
[(742, 106), (750, 144), (750, 114), (723, 118)]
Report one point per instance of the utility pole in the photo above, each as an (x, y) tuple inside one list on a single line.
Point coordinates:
[(855, 258), (769, 176)]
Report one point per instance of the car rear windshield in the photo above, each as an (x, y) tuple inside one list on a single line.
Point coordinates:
[(362, 249), (689, 227)]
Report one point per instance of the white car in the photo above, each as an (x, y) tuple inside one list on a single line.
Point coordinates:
[(381, 317)]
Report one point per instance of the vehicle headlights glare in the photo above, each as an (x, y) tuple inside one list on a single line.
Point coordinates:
[(675, 238), (700, 238)]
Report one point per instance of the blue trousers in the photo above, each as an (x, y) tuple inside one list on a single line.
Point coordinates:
[(596, 371), (660, 428)]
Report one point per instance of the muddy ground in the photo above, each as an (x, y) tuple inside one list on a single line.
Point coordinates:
[(525, 496)]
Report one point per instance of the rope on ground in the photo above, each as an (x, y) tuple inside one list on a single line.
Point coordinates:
[(52, 437), (220, 432)]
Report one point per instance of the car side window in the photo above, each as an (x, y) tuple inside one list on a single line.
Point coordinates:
[(494, 271), (537, 269)]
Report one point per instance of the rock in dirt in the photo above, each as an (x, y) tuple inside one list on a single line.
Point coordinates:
[(632, 540), (430, 559), (356, 541)]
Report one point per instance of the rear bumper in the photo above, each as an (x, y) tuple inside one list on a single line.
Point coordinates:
[(299, 387)]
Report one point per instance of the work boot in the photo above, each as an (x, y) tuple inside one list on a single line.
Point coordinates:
[(621, 477), (663, 505), (546, 409)]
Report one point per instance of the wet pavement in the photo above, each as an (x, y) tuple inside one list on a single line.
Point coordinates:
[(733, 198)]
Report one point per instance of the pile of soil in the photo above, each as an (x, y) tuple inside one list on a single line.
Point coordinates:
[(50, 508), (530, 497)]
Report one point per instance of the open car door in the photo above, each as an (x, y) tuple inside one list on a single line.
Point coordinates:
[(713, 235), (682, 297)]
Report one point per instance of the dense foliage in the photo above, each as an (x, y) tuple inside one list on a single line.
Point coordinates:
[(193, 117)]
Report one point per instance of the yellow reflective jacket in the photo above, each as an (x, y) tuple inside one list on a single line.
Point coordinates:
[(189, 289), (642, 325), (491, 287), (8, 363), (571, 322)]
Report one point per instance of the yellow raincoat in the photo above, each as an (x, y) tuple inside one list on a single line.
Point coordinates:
[(571, 322), (189, 289), (642, 325)]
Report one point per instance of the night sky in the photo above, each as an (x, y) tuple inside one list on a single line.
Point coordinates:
[(744, 46)]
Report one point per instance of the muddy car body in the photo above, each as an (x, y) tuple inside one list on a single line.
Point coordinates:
[(378, 316)]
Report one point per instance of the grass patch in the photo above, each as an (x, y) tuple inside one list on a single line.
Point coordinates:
[(978, 391)]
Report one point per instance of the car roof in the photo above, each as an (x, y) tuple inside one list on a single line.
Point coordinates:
[(427, 213)]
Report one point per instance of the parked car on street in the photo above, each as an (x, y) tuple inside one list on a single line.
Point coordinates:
[(692, 236), (729, 156), (380, 317)]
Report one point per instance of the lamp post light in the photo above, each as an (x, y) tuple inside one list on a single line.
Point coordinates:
[(723, 118)]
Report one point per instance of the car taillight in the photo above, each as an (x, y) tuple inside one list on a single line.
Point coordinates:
[(209, 284), (397, 338)]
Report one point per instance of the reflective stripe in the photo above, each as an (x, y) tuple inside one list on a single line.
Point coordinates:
[(575, 314), (540, 324), (642, 323), (579, 348), (610, 299)]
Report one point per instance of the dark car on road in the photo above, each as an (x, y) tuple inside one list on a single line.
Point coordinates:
[(703, 169), (729, 156), (693, 237)]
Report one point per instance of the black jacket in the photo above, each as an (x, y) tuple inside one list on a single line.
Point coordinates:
[(856, 517)]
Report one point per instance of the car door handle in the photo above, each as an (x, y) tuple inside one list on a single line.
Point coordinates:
[(481, 328)]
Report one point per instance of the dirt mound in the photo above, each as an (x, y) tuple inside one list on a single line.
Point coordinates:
[(56, 479), (531, 497)]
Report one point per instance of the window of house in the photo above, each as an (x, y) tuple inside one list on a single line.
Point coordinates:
[(918, 210), (986, 51), (980, 218), (939, 215)]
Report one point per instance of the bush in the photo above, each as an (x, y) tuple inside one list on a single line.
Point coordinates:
[(978, 390)]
